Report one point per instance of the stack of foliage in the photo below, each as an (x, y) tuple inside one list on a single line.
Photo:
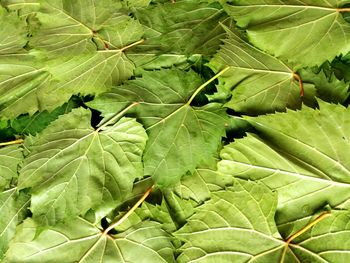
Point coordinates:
[(174, 131)]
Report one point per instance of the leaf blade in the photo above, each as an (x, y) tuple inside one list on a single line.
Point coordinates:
[(71, 161)]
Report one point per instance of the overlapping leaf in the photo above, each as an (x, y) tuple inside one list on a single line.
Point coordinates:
[(72, 167), (68, 35), (85, 74), (327, 241), (328, 88), (21, 80), (29, 83), (304, 32), (13, 32), (157, 213), (340, 67), (199, 185), (26, 124), (303, 155), (80, 241), (180, 135), (73, 27), (13, 209), (257, 81), (237, 225), (175, 32), (10, 157), (233, 227), (76, 179)]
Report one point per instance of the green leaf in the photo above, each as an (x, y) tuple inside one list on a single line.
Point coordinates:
[(180, 209), (303, 155), (326, 242), (328, 88), (205, 179), (72, 167), (180, 135), (303, 32), (138, 178), (154, 60), (157, 213), (139, 188), (80, 241), (6, 133), (20, 4), (289, 228), (257, 82), (82, 26), (27, 85), (13, 209), (175, 32), (13, 32), (237, 225), (137, 3), (188, 27), (40, 120), (10, 158), (340, 67), (21, 81), (85, 74)]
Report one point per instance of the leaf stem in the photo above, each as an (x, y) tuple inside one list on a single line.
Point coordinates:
[(205, 84), (18, 141), (301, 86), (345, 9), (106, 43), (120, 114), (132, 45), (302, 231), (124, 217), (308, 226)]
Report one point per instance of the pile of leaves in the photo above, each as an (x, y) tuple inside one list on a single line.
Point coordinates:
[(174, 131)]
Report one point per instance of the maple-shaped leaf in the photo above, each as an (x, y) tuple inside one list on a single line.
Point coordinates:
[(303, 155), (10, 158), (257, 82), (237, 225), (180, 135), (81, 241), (177, 32), (13, 32), (13, 209), (31, 82), (72, 167), (304, 32), (73, 27)]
